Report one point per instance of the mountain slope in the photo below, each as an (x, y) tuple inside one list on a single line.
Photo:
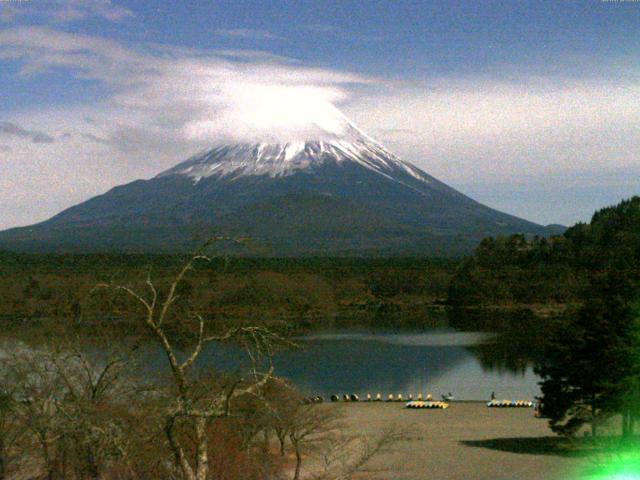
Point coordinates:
[(339, 195)]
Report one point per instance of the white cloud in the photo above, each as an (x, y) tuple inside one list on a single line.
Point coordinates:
[(485, 129), (185, 94), (72, 10), (42, 48), (247, 34), (67, 11)]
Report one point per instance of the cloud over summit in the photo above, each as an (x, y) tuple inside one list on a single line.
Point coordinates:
[(188, 95)]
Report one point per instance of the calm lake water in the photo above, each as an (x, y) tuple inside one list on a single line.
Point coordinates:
[(436, 361)]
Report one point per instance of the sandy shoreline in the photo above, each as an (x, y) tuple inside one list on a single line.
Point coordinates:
[(466, 441)]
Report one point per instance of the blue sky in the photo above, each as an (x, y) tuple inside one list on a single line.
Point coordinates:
[(530, 107)]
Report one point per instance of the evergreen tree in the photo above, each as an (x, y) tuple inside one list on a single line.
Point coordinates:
[(591, 368)]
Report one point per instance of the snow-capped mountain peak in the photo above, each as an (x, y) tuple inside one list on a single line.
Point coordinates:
[(231, 161)]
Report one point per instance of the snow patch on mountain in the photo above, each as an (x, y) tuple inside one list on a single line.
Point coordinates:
[(232, 161)]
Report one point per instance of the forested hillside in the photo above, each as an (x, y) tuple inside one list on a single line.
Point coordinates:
[(516, 271)]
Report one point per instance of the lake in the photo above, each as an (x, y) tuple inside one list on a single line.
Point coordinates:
[(436, 361), (465, 353)]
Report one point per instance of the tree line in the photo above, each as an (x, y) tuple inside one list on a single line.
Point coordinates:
[(308, 292)]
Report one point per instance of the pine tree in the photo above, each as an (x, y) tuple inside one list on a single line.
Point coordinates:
[(591, 369)]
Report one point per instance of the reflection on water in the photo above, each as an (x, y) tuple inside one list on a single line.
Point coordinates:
[(518, 338), (435, 361), (433, 338)]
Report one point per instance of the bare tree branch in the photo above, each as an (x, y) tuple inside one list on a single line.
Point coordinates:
[(259, 343)]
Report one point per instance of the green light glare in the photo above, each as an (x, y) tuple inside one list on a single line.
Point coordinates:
[(620, 466)]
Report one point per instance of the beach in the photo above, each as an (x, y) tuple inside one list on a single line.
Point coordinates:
[(465, 441)]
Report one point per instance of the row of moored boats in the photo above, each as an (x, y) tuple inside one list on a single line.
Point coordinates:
[(418, 402), (378, 398), (510, 404)]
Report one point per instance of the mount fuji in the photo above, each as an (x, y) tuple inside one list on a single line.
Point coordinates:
[(333, 191)]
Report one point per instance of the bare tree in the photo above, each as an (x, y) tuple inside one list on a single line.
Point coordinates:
[(314, 432), (36, 392), (10, 428), (281, 404), (193, 407), (342, 456), (306, 428), (96, 410), (75, 411)]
